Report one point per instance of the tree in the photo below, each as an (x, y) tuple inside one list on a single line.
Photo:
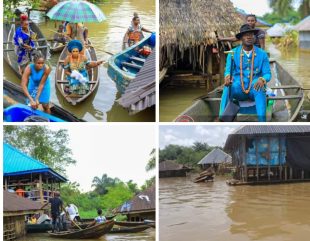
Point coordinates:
[(133, 187), (102, 183), (10, 5), (152, 161), (148, 183), (283, 7), (200, 146), (42, 143)]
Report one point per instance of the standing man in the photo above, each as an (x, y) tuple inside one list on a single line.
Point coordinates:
[(259, 36), (73, 212), (56, 207), (251, 73)]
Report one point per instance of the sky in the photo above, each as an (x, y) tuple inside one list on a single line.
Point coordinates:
[(117, 150), (214, 135), (257, 7)]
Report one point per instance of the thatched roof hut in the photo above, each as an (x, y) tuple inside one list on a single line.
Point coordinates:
[(189, 30), (279, 30)]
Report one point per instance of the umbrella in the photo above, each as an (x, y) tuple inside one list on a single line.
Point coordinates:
[(76, 11)]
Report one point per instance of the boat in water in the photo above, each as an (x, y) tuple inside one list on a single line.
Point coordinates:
[(124, 66), (283, 105)]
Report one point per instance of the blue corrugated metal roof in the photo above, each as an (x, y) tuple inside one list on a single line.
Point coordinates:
[(17, 163)]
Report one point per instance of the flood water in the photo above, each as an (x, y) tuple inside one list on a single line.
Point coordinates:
[(147, 235), (217, 212), (105, 36), (173, 101)]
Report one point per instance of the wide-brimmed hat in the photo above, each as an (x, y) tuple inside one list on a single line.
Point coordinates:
[(75, 44), (246, 28)]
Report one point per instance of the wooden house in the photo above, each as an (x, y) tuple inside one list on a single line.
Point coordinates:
[(27, 176), (170, 168), (303, 27), (189, 46), (15, 209), (141, 207), (270, 154)]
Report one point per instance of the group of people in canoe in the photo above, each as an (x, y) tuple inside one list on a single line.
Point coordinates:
[(247, 70), (36, 82), (62, 215)]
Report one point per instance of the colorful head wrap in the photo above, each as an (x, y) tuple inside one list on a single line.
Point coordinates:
[(75, 44)]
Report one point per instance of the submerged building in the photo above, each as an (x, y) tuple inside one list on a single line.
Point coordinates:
[(303, 27), (141, 207), (270, 153), (171, 168), (215, 158)]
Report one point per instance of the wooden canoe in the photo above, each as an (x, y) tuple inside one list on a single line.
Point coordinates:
[(129, 229), (284, 107), (61, 81), (93, 232), (134, 224), (124, 66), (9, 55), (13, 94), (57, 47), (38, 228)]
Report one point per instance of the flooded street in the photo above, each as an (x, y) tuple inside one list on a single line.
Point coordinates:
[(148, 235), (174, 101), (217, 212), (105, 36)]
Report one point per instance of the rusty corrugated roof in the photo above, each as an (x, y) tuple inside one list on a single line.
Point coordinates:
[(140, 93), (170, 165), (144, 201), (14, 203)]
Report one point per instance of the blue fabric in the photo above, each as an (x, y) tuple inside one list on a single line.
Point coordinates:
[(75, 44), (20, 39), (33, 85), (261, 69), (100, 219)]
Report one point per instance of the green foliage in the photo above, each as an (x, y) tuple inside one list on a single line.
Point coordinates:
[(102, 184), (284, 7), (42, 143), (189, 156), (116, 196), (152, 161), (148, 183), (9, 6), (292, 17)]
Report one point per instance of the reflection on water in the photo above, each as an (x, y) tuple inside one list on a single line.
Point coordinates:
[(296, 62), (148, 235), (105, 36), (217, 212)]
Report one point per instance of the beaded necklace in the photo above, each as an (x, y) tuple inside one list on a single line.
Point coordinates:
[(251, 74), (75, 64)]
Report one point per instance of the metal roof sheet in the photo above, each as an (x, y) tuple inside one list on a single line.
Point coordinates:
[(215, 156), (13, 203), (17, 163)]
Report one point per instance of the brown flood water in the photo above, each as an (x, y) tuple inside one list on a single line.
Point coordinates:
[(218, 212), (105, 36), (148, 235), (173, 101)]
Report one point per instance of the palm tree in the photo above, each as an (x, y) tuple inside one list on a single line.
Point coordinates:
[(101, 184), (152, 161), (282, 7)]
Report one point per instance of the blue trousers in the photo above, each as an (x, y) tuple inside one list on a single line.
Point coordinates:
[(258, 96)]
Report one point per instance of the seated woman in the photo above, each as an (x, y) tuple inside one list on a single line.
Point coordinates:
[(36, 82), (76, 69), (23, 41), (99, 219), (135, 32)]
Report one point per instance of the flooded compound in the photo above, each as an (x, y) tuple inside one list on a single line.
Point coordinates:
[(214, 211)]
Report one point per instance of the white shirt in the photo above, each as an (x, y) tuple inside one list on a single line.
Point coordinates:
[(73, 211), (248, 53)]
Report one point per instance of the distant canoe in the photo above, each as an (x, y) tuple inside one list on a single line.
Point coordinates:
[(57, 47), (124, 66), (93, 232), (38, 228), (9, 55), (134, 224), (284, 107), (13, 94), (61, 81), (136, 229)]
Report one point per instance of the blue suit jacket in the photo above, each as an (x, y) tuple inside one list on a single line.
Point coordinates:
[(261, 66)]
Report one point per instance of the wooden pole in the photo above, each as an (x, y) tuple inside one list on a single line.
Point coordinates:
[(256, 153), (243, 155), (6, 183), (302, 174), (285, 174), (41, 188), (291, 173), (209, 62), (222, 66)]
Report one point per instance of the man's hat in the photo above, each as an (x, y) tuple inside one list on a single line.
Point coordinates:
[(245, 28)]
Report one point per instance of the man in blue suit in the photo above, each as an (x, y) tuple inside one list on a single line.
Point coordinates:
[(251, 73)]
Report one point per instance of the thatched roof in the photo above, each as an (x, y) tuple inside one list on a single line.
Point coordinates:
[(303, 25), (190, 23), (216, 156), (279, 29)]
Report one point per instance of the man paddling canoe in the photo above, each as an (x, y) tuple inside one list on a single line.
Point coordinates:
[(250, 74)]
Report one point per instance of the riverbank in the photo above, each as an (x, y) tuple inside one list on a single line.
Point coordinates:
[(215, 211)]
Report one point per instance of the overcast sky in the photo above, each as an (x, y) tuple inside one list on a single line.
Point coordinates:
[(117, 150), (258, 7), (214, 135)]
